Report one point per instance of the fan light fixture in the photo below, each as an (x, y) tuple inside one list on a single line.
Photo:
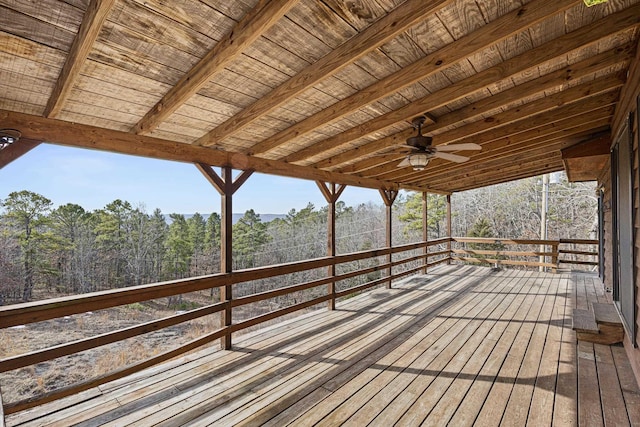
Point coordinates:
[(419, 161), (8, 137)]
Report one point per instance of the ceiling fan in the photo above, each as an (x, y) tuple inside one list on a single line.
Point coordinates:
[(422, 151)]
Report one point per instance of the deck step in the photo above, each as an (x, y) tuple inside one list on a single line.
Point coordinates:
[(583, 321), (606, 314), (600, 325)]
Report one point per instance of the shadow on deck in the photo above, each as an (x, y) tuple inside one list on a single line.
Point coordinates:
[(462, 345)]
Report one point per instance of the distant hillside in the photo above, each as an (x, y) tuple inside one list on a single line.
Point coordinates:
[(236, 217)]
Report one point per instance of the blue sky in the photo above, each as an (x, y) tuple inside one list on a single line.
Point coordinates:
[(93, 178)]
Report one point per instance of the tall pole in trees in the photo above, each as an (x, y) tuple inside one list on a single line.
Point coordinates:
[(226, 186), (388, 197), (331, 193), (543, 216)]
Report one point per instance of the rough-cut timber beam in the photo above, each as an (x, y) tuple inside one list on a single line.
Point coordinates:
[(585, 160), (575, 127), (548, 51), (243, 34), (85, 136), (92, 22), (503, 138), (628, 98), (399, 20), (531, 151), (510, 174), (487, 35), (557, 78), (17, 150)]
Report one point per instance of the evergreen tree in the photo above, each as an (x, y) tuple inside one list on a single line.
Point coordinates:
[(249, 234), (26, 213)]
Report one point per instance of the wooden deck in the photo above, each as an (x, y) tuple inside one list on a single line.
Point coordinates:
[(461, 346)]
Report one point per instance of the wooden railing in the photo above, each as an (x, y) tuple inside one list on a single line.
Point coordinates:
[(22, 314), (491, 251)]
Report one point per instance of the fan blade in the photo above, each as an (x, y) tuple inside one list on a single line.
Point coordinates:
[(451, 157), (458, 147), (404, 163)]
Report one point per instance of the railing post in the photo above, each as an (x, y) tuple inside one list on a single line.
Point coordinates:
[(449, 228), (226, 186), (554, 258), (331, 193), (425, 230), (388, 197)]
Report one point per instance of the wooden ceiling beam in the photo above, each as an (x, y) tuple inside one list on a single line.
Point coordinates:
[(468, 87), (523, 158), (596, 63), (505, 26), (550, 50), (532, 149), (591, 121), (17, 150), (632, 87), (244, 33), (576, 95), (386, 28), (587, 127), (504, 135), (524, 172), (86, 136), (92, 23)]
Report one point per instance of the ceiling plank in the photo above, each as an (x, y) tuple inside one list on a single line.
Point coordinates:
[(86, 136), (243, 34), (566, 122), (17, 150), (548, 51), (386, 28), (510, 173), (577, 94), (487, 35), (567, 136), (617, 56), (536, 114), (93, 20)]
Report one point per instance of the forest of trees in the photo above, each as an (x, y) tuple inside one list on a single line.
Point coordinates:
[(47, 251)]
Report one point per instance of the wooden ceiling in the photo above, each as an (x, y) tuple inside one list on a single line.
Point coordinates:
[(318, 89)]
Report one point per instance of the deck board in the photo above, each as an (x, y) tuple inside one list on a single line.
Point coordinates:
[(461, 346)]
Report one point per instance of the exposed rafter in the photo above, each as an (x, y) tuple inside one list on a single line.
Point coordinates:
[(386, 28), (17, 150), (85, 136), (94, 18), (244, 33), (505, 26), (550, 50)]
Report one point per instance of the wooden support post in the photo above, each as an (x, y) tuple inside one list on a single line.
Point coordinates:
[(449, 227), (388, 197), (16, 150), (226, 186), (554, 258), (425, 230), (331, 193)]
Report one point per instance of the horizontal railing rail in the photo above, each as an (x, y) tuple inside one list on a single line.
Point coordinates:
[(21, 314), (552, 258)]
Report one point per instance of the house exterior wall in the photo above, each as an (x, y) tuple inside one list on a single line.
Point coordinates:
[(628, 105)]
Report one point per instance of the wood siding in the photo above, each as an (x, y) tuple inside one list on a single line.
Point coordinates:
[(628, 105)]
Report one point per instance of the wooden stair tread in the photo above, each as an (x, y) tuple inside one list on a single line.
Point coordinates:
[(583, 321), (606, 314)]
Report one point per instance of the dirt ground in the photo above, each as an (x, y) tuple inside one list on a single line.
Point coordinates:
[(37, 379), (43, 377)]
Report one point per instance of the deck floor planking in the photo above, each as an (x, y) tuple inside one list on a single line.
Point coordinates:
[(461, 346)]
